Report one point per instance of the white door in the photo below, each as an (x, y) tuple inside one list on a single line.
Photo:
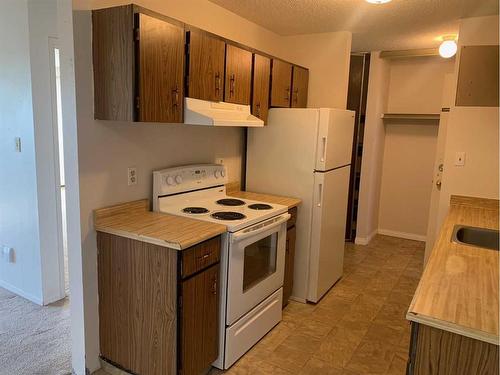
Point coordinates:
[(256, 265), (328, 231), (335, 137)]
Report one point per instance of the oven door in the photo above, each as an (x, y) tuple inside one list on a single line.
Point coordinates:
[(256, 265)]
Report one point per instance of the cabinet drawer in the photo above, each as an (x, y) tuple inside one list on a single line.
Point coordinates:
[(200, 256), (293, 219)]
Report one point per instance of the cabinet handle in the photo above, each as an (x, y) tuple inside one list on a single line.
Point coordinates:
[(287, 90), (217, 83), (214, 287), (257, 110), (175, 93), (203, 257), (296, 92), (231, 84)]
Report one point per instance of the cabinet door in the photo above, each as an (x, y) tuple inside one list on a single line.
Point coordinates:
[(281, 83), (161, 70), (199, 314), (114, 90), (238, 75), (289, 264), (299, 90), (261, 82), (206, 67)]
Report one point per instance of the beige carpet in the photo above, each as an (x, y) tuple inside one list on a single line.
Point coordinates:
[(34, 340)]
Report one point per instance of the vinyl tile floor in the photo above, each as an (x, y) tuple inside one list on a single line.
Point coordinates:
[(358, 328)]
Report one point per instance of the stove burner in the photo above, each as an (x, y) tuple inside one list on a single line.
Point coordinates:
[(195, 210), (230, 202), (260, 206), (228, 215)]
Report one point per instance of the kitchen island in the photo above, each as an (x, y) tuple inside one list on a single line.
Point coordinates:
[(454, 312)]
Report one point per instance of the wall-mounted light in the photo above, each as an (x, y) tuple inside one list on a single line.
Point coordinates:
[(448, 47), (377, 1)]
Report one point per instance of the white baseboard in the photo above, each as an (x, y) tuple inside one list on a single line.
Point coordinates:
[(408, 236), (21, 293), (365, 240)]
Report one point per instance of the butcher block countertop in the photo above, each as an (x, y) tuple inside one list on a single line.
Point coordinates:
[(458, 291), (267, 198), (134, 220)]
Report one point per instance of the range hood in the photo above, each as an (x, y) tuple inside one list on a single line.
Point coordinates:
[(203, 112)]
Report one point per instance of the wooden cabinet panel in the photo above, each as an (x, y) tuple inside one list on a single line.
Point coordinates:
[(137, 304), (200, 256), (199, 313), (161, 70), (300, 83), (114, 64), (435, 351), (261, 83), (281, 83), (206, 66), (478, 76), (238, 75), (289, 264)]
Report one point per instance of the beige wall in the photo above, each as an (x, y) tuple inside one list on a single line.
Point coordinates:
[(373, 150), (416, 84), (398, 159), (106, 149), (327, 56), (473, 130), (407, 179)]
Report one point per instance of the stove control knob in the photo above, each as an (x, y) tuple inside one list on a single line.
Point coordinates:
[(170, 180), (223, 173), (217, 174), (178, 179)]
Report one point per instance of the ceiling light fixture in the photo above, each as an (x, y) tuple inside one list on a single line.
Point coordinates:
[(448, 47), (377, 1)]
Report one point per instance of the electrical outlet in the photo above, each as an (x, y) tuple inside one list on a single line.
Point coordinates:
[(219, 161), (132, 176), (460, 158)]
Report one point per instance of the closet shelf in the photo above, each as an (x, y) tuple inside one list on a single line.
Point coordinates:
[(407, 117)]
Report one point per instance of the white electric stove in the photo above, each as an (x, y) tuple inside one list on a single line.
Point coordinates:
[(252, 253)]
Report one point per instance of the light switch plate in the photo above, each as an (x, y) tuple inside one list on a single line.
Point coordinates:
[(460, 158), (18, 144), (132, 176)]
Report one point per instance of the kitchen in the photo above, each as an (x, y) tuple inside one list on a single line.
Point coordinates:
[(108, 148)]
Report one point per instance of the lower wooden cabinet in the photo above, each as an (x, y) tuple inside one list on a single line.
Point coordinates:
[(198, 318), (158, 307), (434, 351), (289, 256)]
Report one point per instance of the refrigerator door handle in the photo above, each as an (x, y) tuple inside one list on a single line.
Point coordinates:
[(320, 195), (323, 155)]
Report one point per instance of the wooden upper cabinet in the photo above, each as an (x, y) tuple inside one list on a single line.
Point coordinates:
[(114, 83), (238, 80), (138, 63), (281, 83), (300, 83), (261, 82), (206, 66), (161, 70)]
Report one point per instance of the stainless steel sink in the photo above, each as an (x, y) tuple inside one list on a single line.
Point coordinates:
[(473, 236)]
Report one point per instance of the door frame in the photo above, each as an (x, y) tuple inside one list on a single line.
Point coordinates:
[(53, 44)]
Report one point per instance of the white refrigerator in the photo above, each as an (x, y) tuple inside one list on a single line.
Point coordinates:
[(306, 153)]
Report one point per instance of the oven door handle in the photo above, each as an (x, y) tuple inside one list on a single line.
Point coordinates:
[(266, 225)]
